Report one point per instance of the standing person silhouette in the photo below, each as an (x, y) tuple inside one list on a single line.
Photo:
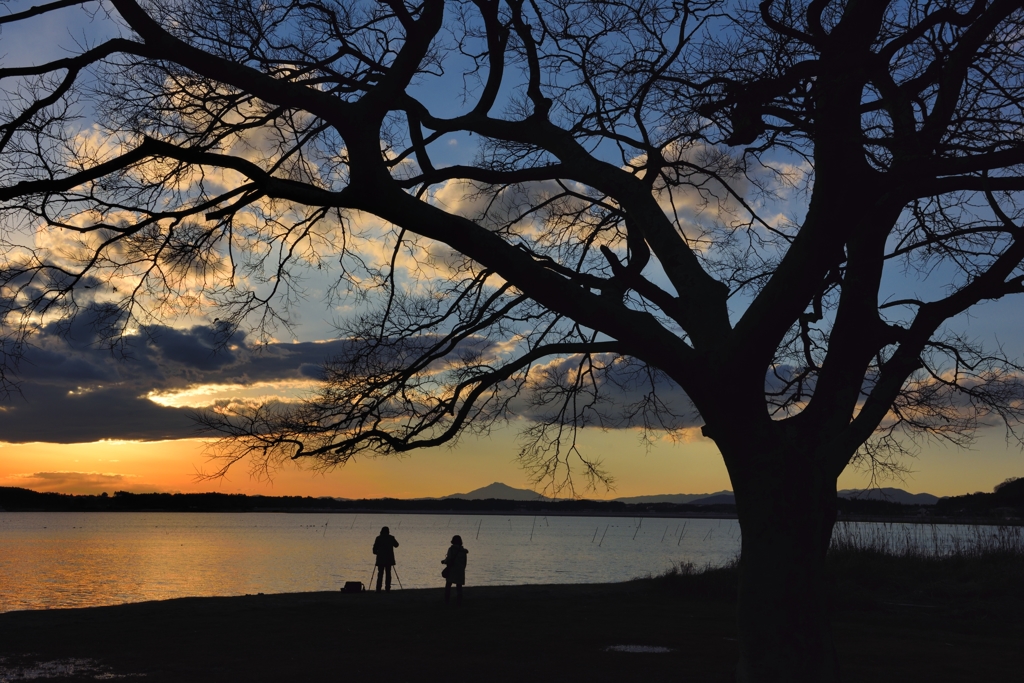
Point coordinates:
[(456, 571), (384, 548)]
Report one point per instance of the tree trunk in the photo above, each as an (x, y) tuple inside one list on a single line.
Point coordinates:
[(786, 517)]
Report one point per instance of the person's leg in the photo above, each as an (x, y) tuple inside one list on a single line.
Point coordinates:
[(380, 577), (387, 580), (447, 591), (458, 594)]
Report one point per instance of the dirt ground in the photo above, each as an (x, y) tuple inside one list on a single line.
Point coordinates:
[(515, 633)]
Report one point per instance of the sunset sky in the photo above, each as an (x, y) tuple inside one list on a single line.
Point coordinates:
[(87, 421)]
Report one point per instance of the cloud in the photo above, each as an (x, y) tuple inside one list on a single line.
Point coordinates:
[(629, 395), (73, 389), (77, 482)]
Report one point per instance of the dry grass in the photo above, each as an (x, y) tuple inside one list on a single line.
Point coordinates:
[(978, 570), (974, 569), (928, 542)]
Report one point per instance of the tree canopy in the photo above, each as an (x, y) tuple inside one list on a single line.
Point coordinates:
[(709, 211)]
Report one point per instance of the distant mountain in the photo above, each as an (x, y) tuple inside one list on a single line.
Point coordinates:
[(677, 498), (722, 498), (890, 495), (499, 491)]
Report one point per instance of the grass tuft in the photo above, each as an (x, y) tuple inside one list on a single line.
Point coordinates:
[(920, 541), (709, 581), (979, 568)]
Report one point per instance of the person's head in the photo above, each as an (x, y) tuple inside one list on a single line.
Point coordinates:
[(456, 540), (384, 531)]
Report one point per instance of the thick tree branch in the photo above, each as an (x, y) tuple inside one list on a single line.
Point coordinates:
[(37, 10)]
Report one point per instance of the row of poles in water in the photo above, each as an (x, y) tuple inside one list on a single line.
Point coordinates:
[(680, 531)]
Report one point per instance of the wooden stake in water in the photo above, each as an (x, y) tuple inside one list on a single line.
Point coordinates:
[(354, 522), (638, 528), (478, 529), (681, 534), (595, 533), (603, 535), (664, 535), (532, 528), (325, 527)]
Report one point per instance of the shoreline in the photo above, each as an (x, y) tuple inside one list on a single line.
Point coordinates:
[(648, 514), (538, 632)]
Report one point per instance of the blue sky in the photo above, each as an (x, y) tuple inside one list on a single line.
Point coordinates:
[(79, 405)]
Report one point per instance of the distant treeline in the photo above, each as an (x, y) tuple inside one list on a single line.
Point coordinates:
[(1007, 501), (17, 499), (1004, 503)]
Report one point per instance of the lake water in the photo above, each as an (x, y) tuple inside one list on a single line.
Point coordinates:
[(61, 559)]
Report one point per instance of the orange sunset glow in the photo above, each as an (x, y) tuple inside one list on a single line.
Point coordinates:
[(693, 467)]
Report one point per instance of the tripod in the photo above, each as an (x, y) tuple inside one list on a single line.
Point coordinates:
[(394, 568)]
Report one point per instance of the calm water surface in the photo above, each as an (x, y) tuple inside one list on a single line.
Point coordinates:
[(63, 559)]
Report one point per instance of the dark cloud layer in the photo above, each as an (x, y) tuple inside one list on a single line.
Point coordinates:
[(72, 389), (630, 396), (81, 482)]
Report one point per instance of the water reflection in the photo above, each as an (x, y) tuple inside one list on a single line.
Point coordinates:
[(62, 559), (82, 559)]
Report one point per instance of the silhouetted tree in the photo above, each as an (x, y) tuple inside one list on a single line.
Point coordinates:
[(705, 195)]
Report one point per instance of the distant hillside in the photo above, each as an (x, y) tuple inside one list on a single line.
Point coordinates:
[(676, 498), (12, 499), (499, 491), (1006, 501), (890, 495), (723, 498), (15, 499)]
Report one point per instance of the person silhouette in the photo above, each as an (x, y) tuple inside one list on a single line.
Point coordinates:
[(456, 570), (384, 548)]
